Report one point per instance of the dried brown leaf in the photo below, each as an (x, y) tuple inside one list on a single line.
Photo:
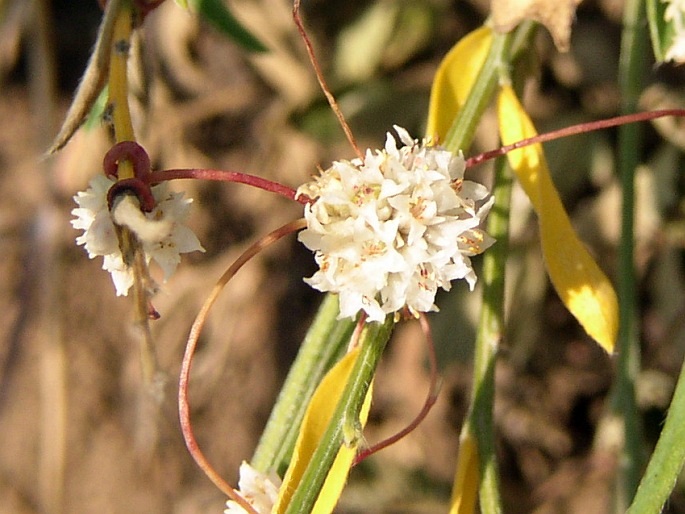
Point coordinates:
[(555, 15), (92, 82)]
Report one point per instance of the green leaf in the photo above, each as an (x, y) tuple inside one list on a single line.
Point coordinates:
[(220, 17), (94, 118), (666, 463)]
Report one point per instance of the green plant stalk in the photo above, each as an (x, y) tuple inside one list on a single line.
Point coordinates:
[(490, 330), (373, 340), (667, 460), (504, 49), (631, 66), (460, 135), (324, 344)]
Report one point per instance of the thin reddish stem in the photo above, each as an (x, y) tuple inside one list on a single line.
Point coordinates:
[(127, 151), (132, 185), (229, 176), (431, 398), (357, 334), (573, 130), (194, 336), (322, 81)]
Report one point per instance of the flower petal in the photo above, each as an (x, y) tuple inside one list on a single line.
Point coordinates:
[(580, 283), (386, 229), (316, 419), (454, 79), (161, 232)]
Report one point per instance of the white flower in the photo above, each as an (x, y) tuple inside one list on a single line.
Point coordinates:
[(675, 16), (260, 491), (388, 231), (160, 232), (674, 10), (676, 52)]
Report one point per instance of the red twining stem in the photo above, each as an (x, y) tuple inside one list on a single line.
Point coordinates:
[(139, 184), (573, 130), (142, 6), (137, 187), (127, 151), (229, 176)]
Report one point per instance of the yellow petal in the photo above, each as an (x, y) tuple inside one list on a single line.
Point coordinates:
[(454, 79), (466, 478), (580, 283), (314, 424)]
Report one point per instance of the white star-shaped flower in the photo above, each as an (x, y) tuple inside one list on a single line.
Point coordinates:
[(675, 16), (390, 230), (160, 232), (674, 10), (260, 491)]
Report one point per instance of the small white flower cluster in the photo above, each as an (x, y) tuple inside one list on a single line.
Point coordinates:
[(160, 232), (675, 15), (260, 491), (388, 231)]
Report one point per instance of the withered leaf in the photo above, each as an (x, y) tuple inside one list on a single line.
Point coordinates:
[(555, 15), (92, 82)]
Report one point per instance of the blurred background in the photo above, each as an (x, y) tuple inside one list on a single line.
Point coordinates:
[(82, 433)]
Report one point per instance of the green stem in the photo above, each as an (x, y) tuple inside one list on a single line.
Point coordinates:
[(373, 340), (490, 329), (460, 135), (323, 345), (504, 48), (667, 460), (631, 70)]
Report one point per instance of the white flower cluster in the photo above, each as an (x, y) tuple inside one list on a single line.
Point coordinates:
[(675, 15), (260, 491), (388, 231), (161, 232)]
